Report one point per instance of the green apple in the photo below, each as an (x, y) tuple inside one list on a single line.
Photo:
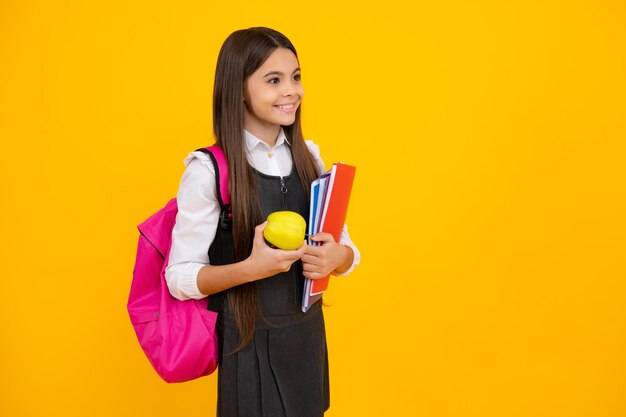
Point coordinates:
[(285, 230)]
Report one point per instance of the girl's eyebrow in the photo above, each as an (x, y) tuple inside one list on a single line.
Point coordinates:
[(280, 73)]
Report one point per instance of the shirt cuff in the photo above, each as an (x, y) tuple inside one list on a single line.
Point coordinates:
[(182, 280)]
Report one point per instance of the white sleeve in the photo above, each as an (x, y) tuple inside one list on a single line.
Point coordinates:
[(195, 227), (344, 239)]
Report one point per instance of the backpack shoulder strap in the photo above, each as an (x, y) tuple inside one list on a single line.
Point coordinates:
[(221, 178), (221, 172)]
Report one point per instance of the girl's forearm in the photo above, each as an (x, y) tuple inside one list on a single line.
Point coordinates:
[(215, 278)]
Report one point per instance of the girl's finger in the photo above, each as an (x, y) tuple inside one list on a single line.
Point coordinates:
[(323, 237), (309, 258), (290, 256), (313, 250), (314, 275), (310, 275), (258, 231)]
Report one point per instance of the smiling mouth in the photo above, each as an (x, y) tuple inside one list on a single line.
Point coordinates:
[(286, 107)]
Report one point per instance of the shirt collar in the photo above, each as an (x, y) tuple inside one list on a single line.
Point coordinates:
[(252, 141)]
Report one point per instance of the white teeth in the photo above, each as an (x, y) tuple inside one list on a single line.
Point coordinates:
[(290, 106)]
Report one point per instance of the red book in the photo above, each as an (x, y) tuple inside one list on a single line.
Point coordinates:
[(333, 217)]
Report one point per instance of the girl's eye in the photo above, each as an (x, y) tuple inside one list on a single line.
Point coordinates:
[(295, 77)]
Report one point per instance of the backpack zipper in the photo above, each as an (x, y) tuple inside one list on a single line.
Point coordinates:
[(283, 191)]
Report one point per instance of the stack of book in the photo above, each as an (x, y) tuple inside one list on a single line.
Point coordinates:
[(330, 195)]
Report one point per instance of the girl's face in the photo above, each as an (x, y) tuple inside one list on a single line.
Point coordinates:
[(272, 94)]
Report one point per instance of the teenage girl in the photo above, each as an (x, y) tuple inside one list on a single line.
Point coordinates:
[(273, 359)]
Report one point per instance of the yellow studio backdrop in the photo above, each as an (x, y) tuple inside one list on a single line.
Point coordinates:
[(488, 205)]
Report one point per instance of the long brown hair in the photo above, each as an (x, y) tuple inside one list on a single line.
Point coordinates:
[(242, 53)]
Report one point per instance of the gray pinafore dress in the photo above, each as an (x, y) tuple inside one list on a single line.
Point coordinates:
[(283, 372)]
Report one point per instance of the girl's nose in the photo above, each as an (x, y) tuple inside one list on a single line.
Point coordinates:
[(290, 89)]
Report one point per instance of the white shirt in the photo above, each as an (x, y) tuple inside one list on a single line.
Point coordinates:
[(199, 210)]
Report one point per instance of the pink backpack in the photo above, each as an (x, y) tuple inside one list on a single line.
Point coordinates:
[(178, 337)]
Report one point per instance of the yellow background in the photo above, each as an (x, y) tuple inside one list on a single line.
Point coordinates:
[(488, 205)]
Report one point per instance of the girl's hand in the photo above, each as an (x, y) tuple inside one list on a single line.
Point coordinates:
[(266, 261), (319, 261)]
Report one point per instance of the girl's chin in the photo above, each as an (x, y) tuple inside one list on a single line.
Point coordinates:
[(287, 119)]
